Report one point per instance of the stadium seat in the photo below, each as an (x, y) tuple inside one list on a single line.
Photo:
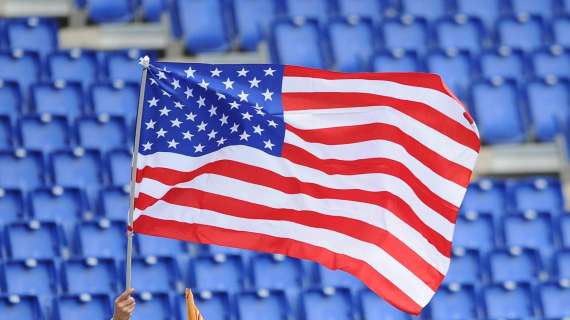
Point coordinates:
[(163, 270), (218, 272), (59, 99), (123, 66), (561, 30), (516, 264), (565, 231), (352, 43), (497, 112), (454, 302), (33, 239), (15, 307), (30, 276), (551, 63), (32, 34), (502, 63), (271, 304), (532, 231), (6, 133), (429, 9), (372, 308), (213, 250), (460, 32), (525, 33), (84, 306), (74, 66), (203, 25), (327, 303), (562, 261), (465, 268), (508, 301), (21, 67), (148, 245), (119, 162), (539, 194), (114, 203), (548, 106), (286, 33), (253, 28), (486, 10), (213, 305), (454, 66), (11, 99), (78, 169), (101, 133), (544, 8), (485, 195), (155, 305), (11, 206), (153, 9), (104, 239), (338, 279), (44, 133), (64, 206), (118, 99), (475, 231), (564, 6), (276, 272), (371, 9), (89, 275), (313, 9), (21, 169), (407, 33), (101, 11), (396, 61), (554, 299)]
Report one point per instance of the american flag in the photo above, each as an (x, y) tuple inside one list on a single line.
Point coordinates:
[(362, 172)]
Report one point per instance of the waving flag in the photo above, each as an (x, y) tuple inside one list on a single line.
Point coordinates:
[(359, 172)]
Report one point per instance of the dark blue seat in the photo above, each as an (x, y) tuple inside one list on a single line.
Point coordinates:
[(429, 9), (119, 165), (372, 9), (148, 245), (475, 231), (352, 43), (496, 106), (313, 9), (21, 170), (33, 239), (487, 196), (562, 262), (21, 67), (328, 303), (465, 267), (162, 270), (548, 106), (543, 8), (253, 28), (372, 307), (454, 302), (74, 66), (11, 98), (515, 264), (218, 272), (30, 276), (15, 307), (396, 61), (454, 66), (59, 99), (463, 33), (554, 62), (114, 203), (203, 25), (213, 305), (44, 133), (271, 304), (6, 133), (32, 34), (525, 33), (153, 305), (276, 272), (508, 301), (539, 194), (118, 99), (561, 31), (486, 10), (89, 275), (530, 230), (64, 206), (84, 306), (504, 63), (100, 11), (124, 66), (101, 133), (153, 9), (104, 239), (285, 33), (11, 206), (337, 278), (406, 33), (554, 300)]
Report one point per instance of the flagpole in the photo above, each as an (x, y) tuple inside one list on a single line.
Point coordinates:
[(145, 62)]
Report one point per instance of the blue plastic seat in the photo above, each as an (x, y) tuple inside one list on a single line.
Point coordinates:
[(6, 133), (162, 270), (11, 98), (454, 302), (11, 206), (124, 66), (553, 62), (286, 33), (84, 306), (564, 6), (271, 304), (104, 239), (21, 67), (396, 61), (548, 107), (213, 305), (564, 224), (89, 275), (429, 9), (543, 8), (525, 33), (74, 66), (329, 303), (516, 264), (30, 276), (337, 278), (218, 272), (100, 11), (33, 239), (455, 68), (508, 301), (16, 307), (119, 162), (486, 10), (371, 9), (59, 99), (118, 99), (352, 43), (148, 245), (114, 203), (475, 231), (461, 33), (539, 194), (554, 300), (44, 133), (497, 110), (406, 33), (276, 272), (153, 9), (253, 28), (372, 307), (78, 169), (465, 267), (532, 231), (213, 250), (21, 170), (313, 9), (503, 63), (32, 34), (155, 305), (101, 133), (562, 261), (561, 31), (64, 206), (203, 25), (487, 196)]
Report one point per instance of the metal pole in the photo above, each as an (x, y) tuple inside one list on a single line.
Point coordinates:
[(145, 63)]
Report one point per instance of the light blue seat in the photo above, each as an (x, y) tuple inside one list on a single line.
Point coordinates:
[(219, 272), (461, 33), (548, 107), (114, 203), (373, 307), (475, 231), (119, 167), (454, 302), (271, 304), (153, 305), (525, 33), (6, 133), (314, 9), (11, 206), (508, 301), (543, 8), (252, 28), (117, 99), (352, 43), (74, 66), (21, 169), (487, 196), (33, 240), (454, 67), (561, 30), (554, 299), (89, 275), (30, 277), (554, 62), (11, 97), (503, 63), (465, 268), (44, 133), (213, 305), (162, 270), (101, 11), (406, 33), (539, 194), (372, 9), (21, 67), (516, 264), (101, 133), (486, 10), (59, 98), (330, 303), (396, 61), (84, 306), (102, 239), (429, 9), (16, 307), (286, 33), (532, 231), (32, 34)]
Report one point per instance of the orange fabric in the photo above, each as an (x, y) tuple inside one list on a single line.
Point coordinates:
[(193, 312)]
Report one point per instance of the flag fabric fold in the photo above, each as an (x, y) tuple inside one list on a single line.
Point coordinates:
[(362, 172)]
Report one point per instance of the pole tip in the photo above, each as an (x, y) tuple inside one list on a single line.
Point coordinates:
[(144, 61)]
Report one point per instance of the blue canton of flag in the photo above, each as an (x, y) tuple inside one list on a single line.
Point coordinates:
[(196, 109)]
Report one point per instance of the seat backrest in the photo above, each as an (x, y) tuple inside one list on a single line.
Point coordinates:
[(21, 67), (461, 33), (11, 206), (59, 99), (44, 133), (74, 66), (32, 34), (352, 43), (116, 99), (522, 33), (251, 27), (276, 272), (162, 270), (487, 196), (520, 265), (508, 302), (284, 36), (21, 170), (219, 272), (33, 240), (10, 99), (451, 302), (35, 277), (314, 9), (89, 275), (95, 306), (376, 308), (505, 63), (100, 11), (271, 304), (554, 300), (406, 33), (396, 61), (20, 307), (372, 9), (101, 239), (101, 133), (429, 9), (327, 304)]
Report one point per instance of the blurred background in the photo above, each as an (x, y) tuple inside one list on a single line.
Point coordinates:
[(69, 82)]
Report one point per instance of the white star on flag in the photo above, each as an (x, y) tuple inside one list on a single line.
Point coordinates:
[(176, 123), (254, 83), (269, 72), (147, 146), (267, 95), (164, 111), (161, 133), (229, 84), (243, 136), (189, 72), (216, 72), (187, 135), (150, 124), (172, 144), (152, 102), (189, 93), (243, 72), (175, 84)]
